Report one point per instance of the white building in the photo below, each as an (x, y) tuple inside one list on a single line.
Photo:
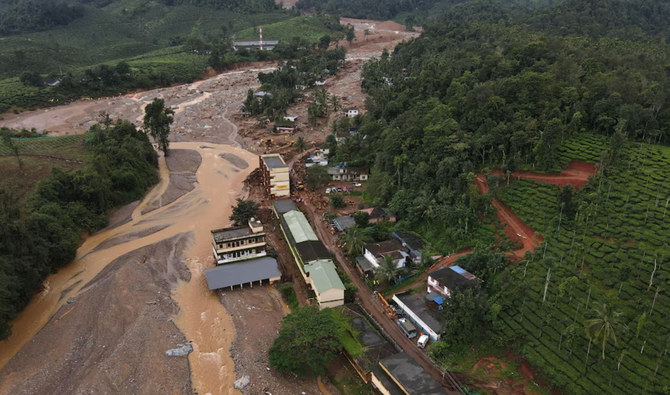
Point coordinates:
[(275, 174)]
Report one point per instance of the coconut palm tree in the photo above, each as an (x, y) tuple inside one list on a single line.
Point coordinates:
[(604, 326), (354, 239), (387, 270)]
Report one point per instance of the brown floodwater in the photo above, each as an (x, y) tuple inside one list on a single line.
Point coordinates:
[(201, 318)]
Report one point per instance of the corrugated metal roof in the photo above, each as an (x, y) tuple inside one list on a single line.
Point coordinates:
[(244, 272), (410, 375), (324, 276), (299, 227), (284, 206), (344, 222), (312, 251)]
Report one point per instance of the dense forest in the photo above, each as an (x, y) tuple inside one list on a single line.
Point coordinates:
[(501, 85), (120, 164)]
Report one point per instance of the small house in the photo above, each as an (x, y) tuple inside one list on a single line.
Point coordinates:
[(427, 316), (411, 242), (351, 112), (291, 118), (320, 158), (319, 82), (375, 253), (444, 281), (262, 95), (378, 214), (341, 172), (344, 222), (325, 282)]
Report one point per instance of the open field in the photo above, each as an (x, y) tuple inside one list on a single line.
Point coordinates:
[(38, 156)]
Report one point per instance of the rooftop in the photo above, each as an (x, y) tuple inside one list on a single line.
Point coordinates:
[(244, 272), (252, 43), (273, 161), (384, 247), (283, 206), (224, 234), (365, 265), (344, 222), (378, 212), (324, 276), (409, 375), (411, 240), (297, 227), (454, 277), (416, 302), (312, 250)]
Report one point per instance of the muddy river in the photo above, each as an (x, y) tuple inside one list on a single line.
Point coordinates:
[(201, 318)]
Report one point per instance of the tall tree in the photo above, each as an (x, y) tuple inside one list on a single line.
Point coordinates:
[(604, 326), (387, 270), (157, 121), (243, 211), (353, 240), (7, 140)]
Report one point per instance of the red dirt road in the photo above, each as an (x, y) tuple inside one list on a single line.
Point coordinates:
[(515, 228), (576, 174)]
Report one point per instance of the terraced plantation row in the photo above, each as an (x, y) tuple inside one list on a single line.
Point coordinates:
[(614, 252)]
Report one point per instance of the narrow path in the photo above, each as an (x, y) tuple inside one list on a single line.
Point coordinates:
[(367, 300), (515, 228), (577, 174)]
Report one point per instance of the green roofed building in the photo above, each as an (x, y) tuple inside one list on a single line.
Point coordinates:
[(298, 228), (325, 282)]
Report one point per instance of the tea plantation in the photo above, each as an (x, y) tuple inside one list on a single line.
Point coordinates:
[(615, 252)]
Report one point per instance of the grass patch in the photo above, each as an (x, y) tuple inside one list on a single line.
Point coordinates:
[(288, 293), (37, 157)]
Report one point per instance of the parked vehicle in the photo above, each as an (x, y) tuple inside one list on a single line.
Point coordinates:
[(358, 184), (407, 328), (423, 340), (328, 190), (339, 189)]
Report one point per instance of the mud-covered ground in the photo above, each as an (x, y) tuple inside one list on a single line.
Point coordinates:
[(113, 336), (104, 323)]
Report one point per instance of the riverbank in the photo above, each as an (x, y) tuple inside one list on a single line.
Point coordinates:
[(152, 258)]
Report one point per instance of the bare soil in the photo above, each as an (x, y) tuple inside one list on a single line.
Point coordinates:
[(113, 337), (182, 165), (249, 308)]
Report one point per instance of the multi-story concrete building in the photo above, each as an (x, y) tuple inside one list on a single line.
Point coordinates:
[(275, 173), (239, 243)]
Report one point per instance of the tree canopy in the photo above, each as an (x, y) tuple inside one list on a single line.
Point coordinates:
[(243, 211), (157, 121), (309, 340), (120, 164)]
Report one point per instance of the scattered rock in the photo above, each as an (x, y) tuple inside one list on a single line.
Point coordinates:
[(241, 382), (180, 351)]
